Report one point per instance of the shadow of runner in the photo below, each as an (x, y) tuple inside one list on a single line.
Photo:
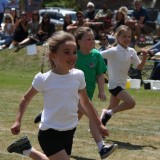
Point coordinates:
[(130, 146), (81, 158)]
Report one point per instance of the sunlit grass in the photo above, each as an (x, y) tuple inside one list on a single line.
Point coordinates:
[(137, 131)]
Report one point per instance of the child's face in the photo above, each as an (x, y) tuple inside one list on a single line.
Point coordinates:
[(87, 42), (124, 38), (65, 57)]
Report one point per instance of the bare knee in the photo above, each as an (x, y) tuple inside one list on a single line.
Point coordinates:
[(131, 104)]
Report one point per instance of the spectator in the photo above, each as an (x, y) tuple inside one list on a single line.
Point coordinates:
[(7, 32), (120, 19), (33, 28), (46, 29), (155, 74), (104, 15), (104, 44), (81, 22), (21, 30), (3, 5), (125, 10), (15, 16), (67, 21), (90, 12), (140, 17)]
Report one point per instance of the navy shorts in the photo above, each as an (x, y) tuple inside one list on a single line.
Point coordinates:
[(53, 141), (116, 90)]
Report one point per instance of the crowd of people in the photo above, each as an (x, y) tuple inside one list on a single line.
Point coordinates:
[(76, 66)]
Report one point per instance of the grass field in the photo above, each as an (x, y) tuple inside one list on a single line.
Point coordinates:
[(137, 132)]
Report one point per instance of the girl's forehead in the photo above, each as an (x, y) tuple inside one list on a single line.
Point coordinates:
[(125, 32), (88, 34)]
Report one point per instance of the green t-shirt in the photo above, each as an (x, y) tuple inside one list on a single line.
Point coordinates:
[(92, 65)]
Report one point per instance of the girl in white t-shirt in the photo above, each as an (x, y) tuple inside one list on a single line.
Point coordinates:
[(119, 60), (62, 88)]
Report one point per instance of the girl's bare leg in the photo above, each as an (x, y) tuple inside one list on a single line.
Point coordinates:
[(37, 155)]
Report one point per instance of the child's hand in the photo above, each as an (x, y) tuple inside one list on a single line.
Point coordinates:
[(15, 129), (144, 53), (103, 130), (102, 96)]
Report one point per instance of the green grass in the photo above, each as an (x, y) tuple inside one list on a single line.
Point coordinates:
[(137, 131)]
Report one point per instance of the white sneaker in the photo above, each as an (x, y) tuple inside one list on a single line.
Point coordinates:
[(104, 111), (11, 46)]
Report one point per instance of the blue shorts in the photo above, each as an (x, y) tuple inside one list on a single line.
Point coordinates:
[(53, 141), (116, 90)]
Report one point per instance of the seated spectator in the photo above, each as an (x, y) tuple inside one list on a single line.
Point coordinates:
[(67, 21), (90, 13), (120, 19), (6, 34), (125, 10), (104, 15), (81, 22), (33, 28), (140, 17), (21, 30), (155, 74), (15, 16), (104, 44), (46, 29)]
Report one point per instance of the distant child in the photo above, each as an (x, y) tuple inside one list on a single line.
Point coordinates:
[(119, 59), (62, 88)]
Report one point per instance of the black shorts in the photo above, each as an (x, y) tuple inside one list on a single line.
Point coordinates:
[(53, 141), (116, 90)]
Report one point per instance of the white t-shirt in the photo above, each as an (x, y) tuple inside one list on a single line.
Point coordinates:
[(9, 26), (60, 93), (119, 61)]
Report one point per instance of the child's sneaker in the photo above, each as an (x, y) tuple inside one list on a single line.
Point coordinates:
[(37, 119), (104, 117), (19, 146), (106, 151)]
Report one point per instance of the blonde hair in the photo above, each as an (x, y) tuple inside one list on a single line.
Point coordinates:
[(122, 28), (124, 9), (10, 17)]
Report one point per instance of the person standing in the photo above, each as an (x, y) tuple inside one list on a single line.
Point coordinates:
[(119, 60)]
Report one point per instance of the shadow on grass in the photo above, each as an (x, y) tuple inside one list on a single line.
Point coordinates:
[(130, 146), (81, 158)]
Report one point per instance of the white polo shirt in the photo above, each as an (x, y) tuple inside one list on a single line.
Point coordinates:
[(60, 93), (119, 61)]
